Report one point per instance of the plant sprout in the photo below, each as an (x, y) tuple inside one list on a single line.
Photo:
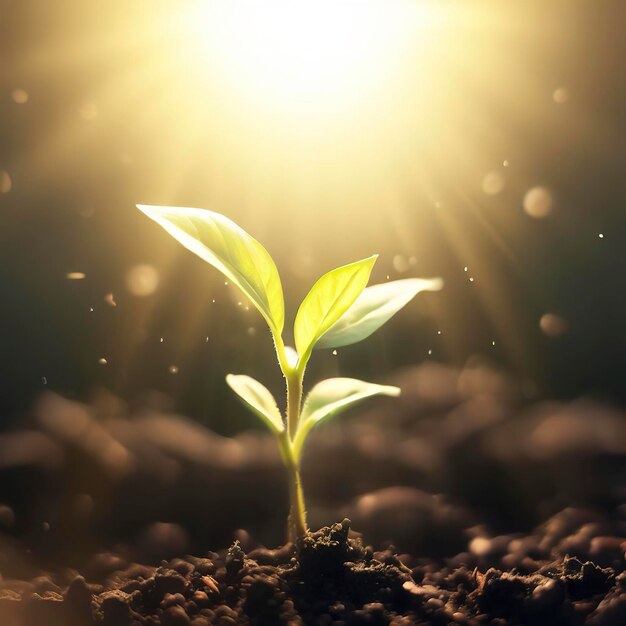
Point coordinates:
[(339, 310)]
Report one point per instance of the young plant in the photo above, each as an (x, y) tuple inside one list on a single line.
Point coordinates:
[(339, 310)]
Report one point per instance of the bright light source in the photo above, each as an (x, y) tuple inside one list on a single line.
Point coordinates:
[(303, 53)]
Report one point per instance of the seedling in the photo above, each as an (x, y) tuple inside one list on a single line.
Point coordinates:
[(339, 310)]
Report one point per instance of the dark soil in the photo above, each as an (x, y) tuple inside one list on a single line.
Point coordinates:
[(443, 472), (332, 578)]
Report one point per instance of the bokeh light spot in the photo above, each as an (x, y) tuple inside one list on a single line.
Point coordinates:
[(560, 95), (5, 182), (75, 276), (552, 325), (142, 280), (538, 202), (493, 183), (19, 96), (400, 263)]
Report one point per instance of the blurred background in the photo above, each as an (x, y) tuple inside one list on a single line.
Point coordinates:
[(482, 142)]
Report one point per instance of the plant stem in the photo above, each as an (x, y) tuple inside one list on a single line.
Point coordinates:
[(297, 509), (294, 375), (294, 400)]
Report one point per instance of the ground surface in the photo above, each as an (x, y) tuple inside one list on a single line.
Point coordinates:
[(332, 578), (501, 509)]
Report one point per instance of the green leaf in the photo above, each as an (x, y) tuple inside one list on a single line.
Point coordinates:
[(329, 298), (258, 398), (229, 248), (375, 306), (332, 396)]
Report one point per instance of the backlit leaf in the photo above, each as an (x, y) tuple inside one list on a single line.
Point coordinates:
[(329, 298), (332, 396), (229, 248), (258, 398), (374, 306)]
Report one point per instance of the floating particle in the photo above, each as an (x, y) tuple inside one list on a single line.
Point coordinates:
[(430, 352), (5, 182), (505, 163), (76, 276), (103, 361), (538, 202), (161, 340), (19, 96), (601, 235), (173, 369), (91, 309), (44, 380), (110, 300), (251, 331), (439, 332), (334, 352), (400, 263), (142, 280), (560, 95), (226, 282), (471, 279), (206, 340), (553, 325), (493, 183), (213, 301), (387, 276), (465, 269), (239, 303), (88, 110), (493, 343)]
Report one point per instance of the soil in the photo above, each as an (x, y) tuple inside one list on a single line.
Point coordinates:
[(501, 511), (331, 577)]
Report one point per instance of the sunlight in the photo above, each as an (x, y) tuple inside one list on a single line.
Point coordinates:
[(304, 54), (306, 121)]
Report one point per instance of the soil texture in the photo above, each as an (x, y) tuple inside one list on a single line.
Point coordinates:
[(331, 577)]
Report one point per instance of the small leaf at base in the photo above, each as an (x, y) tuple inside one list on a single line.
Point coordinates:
[(258, 398), (332, 396)]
